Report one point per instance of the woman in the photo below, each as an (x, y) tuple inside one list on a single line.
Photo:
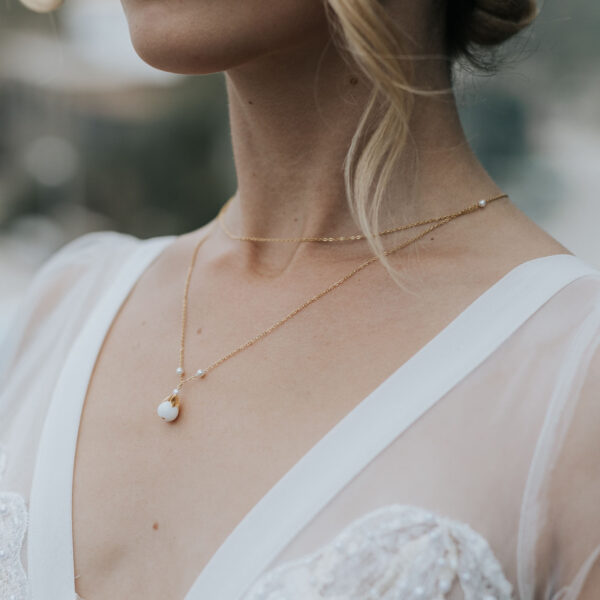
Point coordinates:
[(425, 428)]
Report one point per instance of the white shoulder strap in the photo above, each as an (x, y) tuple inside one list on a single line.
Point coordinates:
[(378, 420), (50, 538)]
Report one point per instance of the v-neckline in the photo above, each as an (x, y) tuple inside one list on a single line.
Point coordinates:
[(319, 474)]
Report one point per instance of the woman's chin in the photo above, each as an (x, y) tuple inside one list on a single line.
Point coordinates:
[(168, 50), (198, 38), (171, 58)]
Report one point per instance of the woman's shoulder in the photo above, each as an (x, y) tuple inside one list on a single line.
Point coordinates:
[(92, 258), (516, 244), (62, 291), (560, 516), (88, 247)]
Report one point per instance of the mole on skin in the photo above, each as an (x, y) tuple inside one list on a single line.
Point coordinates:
[(155, 526)]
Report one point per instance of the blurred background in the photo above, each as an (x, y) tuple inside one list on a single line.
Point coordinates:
[(91, 138)]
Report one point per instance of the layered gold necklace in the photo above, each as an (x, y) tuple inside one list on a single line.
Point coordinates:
[(169, 409)]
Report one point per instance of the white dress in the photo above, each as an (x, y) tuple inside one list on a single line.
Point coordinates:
[(472, 472)]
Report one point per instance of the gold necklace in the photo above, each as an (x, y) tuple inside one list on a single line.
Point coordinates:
[(357, 236), (168, 409)]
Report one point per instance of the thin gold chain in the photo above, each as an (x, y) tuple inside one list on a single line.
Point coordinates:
[(357, 236), (202, 372)]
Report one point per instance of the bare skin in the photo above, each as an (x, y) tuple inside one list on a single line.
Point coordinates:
[(170, 494)]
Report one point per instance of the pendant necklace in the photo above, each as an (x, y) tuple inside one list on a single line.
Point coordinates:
[(168, 410)]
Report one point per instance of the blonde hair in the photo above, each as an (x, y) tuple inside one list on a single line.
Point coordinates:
[(365, 32)]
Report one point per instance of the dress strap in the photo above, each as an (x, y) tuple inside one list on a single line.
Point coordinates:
[(378, 420), (50, 538)]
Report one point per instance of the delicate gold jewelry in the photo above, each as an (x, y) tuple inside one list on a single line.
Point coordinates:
[(357, 236), (168, 409)]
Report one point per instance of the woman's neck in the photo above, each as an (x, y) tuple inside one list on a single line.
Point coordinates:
[(292, 119)]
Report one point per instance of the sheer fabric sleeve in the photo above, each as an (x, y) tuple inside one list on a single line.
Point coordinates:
[(559, 531), (56, 303)]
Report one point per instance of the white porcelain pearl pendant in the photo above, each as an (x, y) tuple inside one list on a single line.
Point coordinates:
[(168, 409)]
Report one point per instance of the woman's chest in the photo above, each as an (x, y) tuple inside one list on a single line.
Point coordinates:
[(152, 501), (145, 490)]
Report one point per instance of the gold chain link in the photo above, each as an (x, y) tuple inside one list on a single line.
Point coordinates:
[(357, 236), (438, 222)]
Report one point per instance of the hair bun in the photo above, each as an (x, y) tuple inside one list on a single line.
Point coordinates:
[(494, 21)]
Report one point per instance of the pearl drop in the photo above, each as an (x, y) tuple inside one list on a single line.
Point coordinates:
[(482, 203), (167, 412)]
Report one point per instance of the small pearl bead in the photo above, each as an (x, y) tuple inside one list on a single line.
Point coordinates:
[(3, 508), (179, 371), (444, 585), (175, 392), (482, 203), (167, 412), (199, 372), (419, 591)]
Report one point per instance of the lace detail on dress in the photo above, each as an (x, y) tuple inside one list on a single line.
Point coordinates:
[(13, 522), (396, 552)]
